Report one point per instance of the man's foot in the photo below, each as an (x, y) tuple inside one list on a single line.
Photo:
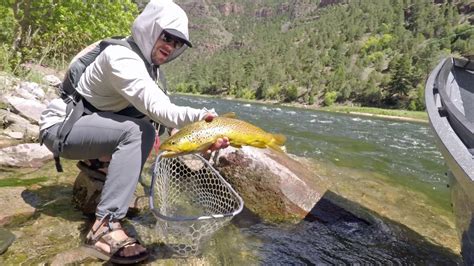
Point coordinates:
[(110, 242)]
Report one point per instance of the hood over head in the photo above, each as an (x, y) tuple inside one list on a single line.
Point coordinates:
[(159, 16)]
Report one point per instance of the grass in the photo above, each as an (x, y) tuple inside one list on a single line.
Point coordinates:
[(415, 115), (15, 182)]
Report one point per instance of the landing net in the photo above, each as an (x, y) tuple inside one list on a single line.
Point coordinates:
[(191, 202)]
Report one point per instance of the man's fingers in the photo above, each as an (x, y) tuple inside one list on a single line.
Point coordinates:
[(220, 143)]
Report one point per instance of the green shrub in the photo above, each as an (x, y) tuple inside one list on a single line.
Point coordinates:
[(330, 98)]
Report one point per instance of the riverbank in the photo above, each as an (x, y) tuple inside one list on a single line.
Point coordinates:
[(395, 114)]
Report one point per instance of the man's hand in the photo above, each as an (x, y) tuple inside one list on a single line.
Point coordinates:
[(220, 143)]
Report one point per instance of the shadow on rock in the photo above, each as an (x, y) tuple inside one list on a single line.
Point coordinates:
[(53, 200)]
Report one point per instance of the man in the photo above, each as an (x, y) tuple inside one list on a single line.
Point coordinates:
[(118, 78)]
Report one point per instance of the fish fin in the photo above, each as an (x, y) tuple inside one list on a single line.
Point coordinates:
[(277, 143), (229, 115), (279, 139), (235, 145), (258, 144)]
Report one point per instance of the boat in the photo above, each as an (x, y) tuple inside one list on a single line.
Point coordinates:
[(449, 99)]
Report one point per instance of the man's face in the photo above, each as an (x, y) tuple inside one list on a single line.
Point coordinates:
[(164, 47)]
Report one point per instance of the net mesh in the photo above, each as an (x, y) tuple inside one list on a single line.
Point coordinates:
[(191, 202)]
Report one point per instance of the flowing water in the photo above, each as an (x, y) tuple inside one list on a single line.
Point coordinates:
[(403, 152)]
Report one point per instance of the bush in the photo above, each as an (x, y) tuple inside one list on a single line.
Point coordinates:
[(59, 31), (330, 98), (290, 93)]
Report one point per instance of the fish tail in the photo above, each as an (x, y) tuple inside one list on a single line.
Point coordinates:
[(276, 147), (277, 143), (279, 139)]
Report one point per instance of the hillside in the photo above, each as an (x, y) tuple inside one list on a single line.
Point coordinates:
[(313, 52), (370, 53)]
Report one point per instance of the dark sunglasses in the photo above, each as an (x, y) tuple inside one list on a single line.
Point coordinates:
[(168, 38)]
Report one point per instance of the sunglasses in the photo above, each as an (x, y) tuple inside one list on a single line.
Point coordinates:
[(168, 38)]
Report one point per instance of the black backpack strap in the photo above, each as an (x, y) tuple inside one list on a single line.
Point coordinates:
[(74, 111)]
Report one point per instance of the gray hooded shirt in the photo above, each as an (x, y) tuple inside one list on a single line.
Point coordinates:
[(119, 78)]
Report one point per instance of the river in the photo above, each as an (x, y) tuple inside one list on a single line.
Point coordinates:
[(403, 153)]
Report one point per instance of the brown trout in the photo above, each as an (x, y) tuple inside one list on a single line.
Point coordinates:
[(199, 136)]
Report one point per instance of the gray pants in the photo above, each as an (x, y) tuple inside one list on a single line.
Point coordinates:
[(128, 140)]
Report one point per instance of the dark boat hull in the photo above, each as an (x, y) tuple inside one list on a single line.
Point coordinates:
[(449, 98)]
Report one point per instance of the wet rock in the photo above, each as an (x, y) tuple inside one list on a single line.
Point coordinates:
[(6, 239), (15, 124), (30, 155), (28, 108), (13, 205), (73, 256), (274, 186)]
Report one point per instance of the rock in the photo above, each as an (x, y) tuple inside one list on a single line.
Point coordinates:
[(86, 193), (33, 89), (70, 257), (6, 239), (273, 186), (30, 109), (25, 155), (12, 123), (88, 188), (15, 123), (13, 205), (52, 80), (15, 135)]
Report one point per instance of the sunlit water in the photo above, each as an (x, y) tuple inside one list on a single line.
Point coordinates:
[(404, 152)]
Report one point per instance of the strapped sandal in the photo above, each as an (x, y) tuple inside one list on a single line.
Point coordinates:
[(102, 234)]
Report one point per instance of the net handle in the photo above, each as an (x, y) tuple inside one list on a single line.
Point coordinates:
[(184, 219)]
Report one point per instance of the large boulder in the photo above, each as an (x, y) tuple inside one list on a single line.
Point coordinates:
[(273, 185)]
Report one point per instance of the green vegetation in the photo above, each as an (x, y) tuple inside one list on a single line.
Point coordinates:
[(15, 182), (362, 52), (368, 53), (51, 32)]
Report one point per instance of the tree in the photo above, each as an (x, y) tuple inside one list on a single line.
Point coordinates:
[(401, 82)]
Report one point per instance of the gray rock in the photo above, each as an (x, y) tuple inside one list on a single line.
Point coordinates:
[(30, 109), (273, 185), (15, 135), (12, 204), (25, 155), (33, 89), (11, 122), (52, 80)]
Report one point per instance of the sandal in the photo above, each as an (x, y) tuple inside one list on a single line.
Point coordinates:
[(102, 234)]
